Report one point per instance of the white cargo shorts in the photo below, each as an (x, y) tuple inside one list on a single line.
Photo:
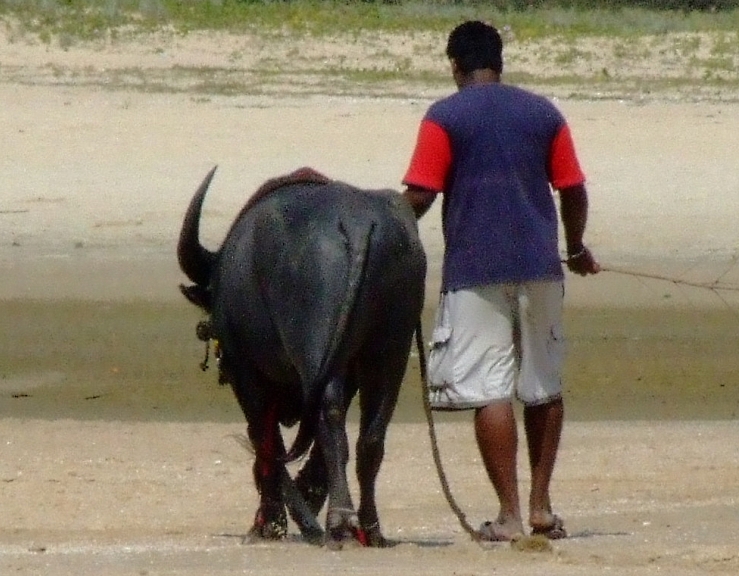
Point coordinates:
[(495, 342)]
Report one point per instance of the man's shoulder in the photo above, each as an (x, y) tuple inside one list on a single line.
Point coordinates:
[(506, 100), (528, 96), (495, 91), (443, 106), (537, 107), (451, 108)]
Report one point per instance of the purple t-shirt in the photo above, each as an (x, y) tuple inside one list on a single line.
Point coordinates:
[(495, 151)]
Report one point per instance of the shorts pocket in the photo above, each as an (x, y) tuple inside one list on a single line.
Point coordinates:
[(556, 345), (440, 368)]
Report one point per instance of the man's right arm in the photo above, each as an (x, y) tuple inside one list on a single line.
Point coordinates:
[(420, 199), (428, 168)]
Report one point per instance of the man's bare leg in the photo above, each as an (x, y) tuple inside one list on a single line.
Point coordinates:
[(497, 440), (543, 426)]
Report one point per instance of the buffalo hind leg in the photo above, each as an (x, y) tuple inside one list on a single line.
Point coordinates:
[(277, 490), (300, 510), (270, 520), (312, 481), (379, 375), (342, 523)]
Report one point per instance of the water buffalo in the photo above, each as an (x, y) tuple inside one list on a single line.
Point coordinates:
[(313, 296)]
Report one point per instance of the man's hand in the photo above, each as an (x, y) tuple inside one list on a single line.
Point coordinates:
[(582, 262), (420, 199)]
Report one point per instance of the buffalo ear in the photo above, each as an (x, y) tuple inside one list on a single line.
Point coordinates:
[(197, 295)]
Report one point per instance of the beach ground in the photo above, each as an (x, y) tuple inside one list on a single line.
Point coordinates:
[(116, 452)]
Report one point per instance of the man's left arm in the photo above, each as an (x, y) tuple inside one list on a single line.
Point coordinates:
[(568, 179), (574, 212)]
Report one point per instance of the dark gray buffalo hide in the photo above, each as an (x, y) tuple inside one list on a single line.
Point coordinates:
[(313, 297)]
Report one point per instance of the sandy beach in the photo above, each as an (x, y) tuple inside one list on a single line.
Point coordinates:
[(116, 455)]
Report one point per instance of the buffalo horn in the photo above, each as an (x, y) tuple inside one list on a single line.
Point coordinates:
[(195, 260)]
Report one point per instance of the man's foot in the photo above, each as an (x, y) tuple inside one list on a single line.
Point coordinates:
[(499, 532), (554, 529)]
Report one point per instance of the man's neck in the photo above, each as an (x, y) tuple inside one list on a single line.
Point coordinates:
[(480, 77)]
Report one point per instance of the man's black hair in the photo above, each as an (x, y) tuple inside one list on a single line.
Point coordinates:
[(475, 45)]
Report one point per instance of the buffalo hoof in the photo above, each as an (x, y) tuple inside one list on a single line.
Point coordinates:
[(311, 536), (339, 539), (270, 523), (372, 537), (344, 531)]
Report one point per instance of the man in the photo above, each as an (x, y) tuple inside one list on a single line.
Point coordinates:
[(495, 152)]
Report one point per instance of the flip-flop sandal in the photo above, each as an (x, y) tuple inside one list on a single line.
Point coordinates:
[(487, 533), (554, 531)]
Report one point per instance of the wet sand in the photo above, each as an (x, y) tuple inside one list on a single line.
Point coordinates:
[(139, 361)]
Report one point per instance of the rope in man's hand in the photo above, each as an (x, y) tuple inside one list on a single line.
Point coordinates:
[(715, 285)]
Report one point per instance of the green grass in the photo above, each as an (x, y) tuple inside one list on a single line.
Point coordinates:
[(91, 19), (570, 51)]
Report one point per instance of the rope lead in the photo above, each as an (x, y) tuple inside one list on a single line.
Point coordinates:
[(466, 526)]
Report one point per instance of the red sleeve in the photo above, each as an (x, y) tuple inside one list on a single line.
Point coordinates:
[(564, 168), (431, 158)]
